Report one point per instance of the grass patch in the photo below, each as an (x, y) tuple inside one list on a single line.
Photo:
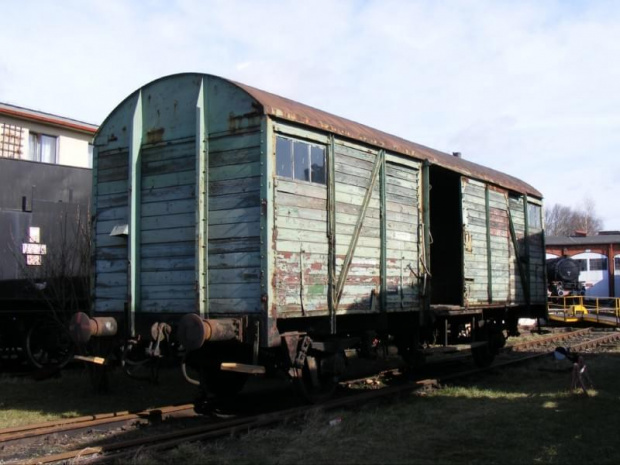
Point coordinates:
[(523, 415), (26, 401)]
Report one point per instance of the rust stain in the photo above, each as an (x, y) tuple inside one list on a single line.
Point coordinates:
[(290, 110), (155, 135), (236, 122)]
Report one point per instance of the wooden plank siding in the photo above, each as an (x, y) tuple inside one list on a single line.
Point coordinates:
[(110, 253), (167, 275), (302, 248), (234, 249), (169, 199), (402, 189), (487, 261), (518, 220), (475, 258), (537, 269), (500, 246)]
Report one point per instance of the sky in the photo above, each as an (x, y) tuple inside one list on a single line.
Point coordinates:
[(530, 88)]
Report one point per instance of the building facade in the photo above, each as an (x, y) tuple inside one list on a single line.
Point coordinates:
[(598, 257), (42, 137), (45, 189)]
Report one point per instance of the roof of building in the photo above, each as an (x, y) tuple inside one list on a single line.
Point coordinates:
[(583, 240), (36, 116)]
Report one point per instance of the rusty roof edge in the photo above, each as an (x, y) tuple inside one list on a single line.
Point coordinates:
[(290, 110)]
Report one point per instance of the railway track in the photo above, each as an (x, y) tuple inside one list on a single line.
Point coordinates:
[(89, 422), (580, 340)]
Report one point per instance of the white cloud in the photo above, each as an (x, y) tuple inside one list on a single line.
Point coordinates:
[(528, 87)]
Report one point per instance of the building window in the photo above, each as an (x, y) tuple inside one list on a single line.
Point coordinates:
[(43, 148), (617, 265), (11, 141), (300, 160), (534, 216), (598, 264), (90, 155)]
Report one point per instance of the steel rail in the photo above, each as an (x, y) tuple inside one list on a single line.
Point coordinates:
[(121, 450), (75, 424)]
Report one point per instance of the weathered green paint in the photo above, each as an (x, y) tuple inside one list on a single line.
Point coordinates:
[(331, 232), (202, 200), (526, 242), (135, 213), (383, 199), (426, 240), (216, 226), (92, 237), (489, 253), (515, 244), (544, 258), (267, 256), (354, 239)]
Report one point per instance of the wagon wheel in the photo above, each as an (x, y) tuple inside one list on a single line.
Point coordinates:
[(222, 383), (483, 355), (207, 362), (48, 344), (317, 380)]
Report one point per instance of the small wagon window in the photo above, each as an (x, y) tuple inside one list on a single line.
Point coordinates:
[(284, 159), (534, 216), (300, 160)]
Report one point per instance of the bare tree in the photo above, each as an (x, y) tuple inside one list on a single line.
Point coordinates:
[(58, 278), (561, 220)]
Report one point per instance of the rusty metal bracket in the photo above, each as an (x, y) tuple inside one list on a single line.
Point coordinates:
[(306, 342), (291, 341)]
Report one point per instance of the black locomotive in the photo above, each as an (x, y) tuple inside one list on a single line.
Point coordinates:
[(563, 277), (44, 259)]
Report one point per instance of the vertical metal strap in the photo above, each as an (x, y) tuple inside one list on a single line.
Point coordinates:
[(331, 232), (383, 216), (426, 231), (269, 336), (344, 272), (489, 256), (202, 201), (302, 289), (526, 242), (515, 244), (544, 258), (135, 189), (93, 229)]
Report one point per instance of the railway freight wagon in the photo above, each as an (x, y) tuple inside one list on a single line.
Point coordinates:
[(259, 234)]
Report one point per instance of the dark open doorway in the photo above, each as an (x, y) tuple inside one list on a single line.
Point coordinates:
[(447, 237)]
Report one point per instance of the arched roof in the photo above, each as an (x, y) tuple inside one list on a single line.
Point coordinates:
[(286, 109), (283, 108)]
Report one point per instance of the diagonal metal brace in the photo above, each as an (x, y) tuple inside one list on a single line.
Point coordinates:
[(344, 272), (513, 236)]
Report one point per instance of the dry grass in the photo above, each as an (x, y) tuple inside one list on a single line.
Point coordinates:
[(524, 415), (25, 401)]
